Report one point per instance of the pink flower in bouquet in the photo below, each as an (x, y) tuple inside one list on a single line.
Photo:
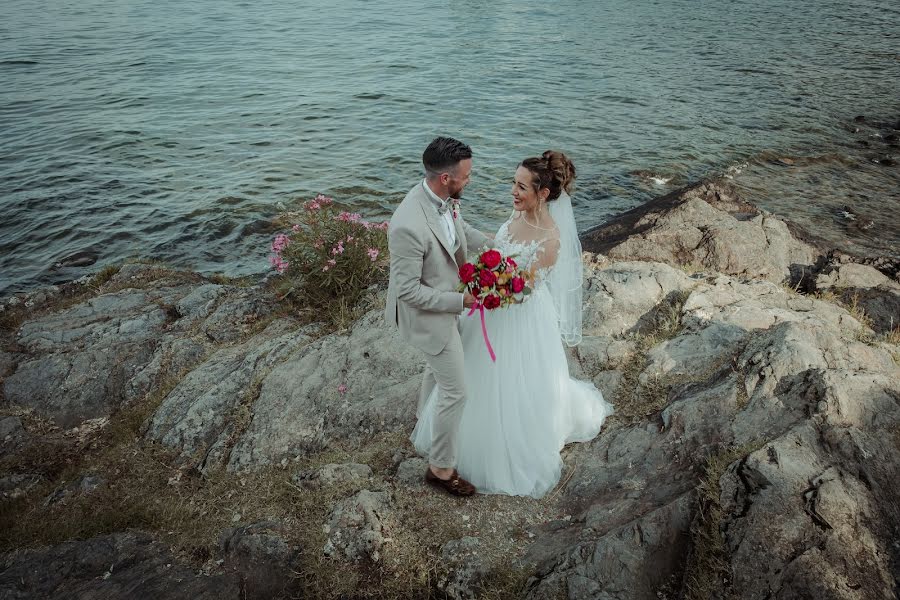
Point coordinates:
[(295, 229), (373, 253), (491, 259), (467, 273), (322, 199), (487, 278), (349, 238), (313, 205), (491, 302), (517, 284), (348, 217), (339, 249)]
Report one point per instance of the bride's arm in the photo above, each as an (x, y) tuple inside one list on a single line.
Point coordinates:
[(546, 257)]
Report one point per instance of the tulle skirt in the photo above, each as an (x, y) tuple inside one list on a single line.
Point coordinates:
[(521, 410)]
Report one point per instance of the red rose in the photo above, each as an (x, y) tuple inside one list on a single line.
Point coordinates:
[(487, 278), (511, 264), (491, 302), (467, 273), (517, 284), (491, 259)]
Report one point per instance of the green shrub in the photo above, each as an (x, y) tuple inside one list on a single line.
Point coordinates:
[(329, 257)]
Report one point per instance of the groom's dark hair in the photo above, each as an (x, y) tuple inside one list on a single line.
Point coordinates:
[(444, 153)]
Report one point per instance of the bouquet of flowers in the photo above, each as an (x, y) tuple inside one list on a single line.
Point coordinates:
[(495, 280)]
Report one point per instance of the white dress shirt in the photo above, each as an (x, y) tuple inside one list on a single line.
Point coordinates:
[(446, 218)]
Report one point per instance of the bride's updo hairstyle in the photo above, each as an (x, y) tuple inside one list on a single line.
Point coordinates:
[(552, 170)]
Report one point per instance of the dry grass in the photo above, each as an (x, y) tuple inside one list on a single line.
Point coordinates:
[(637, 400), (707, 566), (851, 304), (223, 279), (338, 315), (147, 489), (892, 335)]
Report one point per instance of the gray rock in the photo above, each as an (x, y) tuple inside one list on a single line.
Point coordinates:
[(618, 295), (231, 317), (200, 302), (18, 485), (782, 367), (598, 353), (11, 429), (706, 224), (355, 528), (853, 275), (263, 559), (633, 561), (822, 526), (71, 387), (462, 569), (118, 566), (412, 471), (197, 416), (300, 407), (877, 295), (608, 383), (172, 357)]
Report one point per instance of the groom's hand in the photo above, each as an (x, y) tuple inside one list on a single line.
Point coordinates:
[(468, 300)]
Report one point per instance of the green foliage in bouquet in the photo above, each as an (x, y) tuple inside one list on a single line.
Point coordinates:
[(329, 259)]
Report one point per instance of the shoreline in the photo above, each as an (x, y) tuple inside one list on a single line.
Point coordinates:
[(596, 238), (186, 421)]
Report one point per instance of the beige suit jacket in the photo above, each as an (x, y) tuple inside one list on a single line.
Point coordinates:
[(422, 300)]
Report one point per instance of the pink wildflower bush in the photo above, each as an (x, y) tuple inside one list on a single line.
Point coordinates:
[(331, 255)]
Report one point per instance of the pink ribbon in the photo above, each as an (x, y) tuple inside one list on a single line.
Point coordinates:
[(487, 342)]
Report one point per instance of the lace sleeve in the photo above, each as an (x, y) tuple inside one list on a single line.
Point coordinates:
[(545, 258)]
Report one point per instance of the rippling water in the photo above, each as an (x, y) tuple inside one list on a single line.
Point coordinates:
[(173, 130)]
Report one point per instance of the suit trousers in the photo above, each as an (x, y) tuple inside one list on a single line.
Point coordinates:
[(445, 371)]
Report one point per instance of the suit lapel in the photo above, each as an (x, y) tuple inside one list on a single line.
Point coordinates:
[(461, 236), (432, 218)]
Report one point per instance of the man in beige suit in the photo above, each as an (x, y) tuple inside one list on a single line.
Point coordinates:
[(428, 241)]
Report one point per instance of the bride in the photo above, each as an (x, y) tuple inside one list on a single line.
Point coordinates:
[(522, 409)]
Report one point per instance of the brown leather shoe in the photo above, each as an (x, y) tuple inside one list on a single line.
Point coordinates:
[(456, 485)]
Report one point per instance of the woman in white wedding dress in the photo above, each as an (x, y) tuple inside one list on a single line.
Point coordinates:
[(522, 409)]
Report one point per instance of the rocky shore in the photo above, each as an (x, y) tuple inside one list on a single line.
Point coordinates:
[(166, 435)]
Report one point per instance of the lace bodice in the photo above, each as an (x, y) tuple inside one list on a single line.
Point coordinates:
[(532, 248)]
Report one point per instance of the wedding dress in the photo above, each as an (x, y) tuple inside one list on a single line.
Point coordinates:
[(522, 409)]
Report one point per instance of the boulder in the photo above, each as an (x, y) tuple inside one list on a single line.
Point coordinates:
[(706, 225), (120, 566), (356, 525)]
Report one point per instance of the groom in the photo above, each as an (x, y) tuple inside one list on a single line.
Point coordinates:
[(427, 240)]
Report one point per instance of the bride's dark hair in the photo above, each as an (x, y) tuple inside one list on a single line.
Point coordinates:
[(552, 170)]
